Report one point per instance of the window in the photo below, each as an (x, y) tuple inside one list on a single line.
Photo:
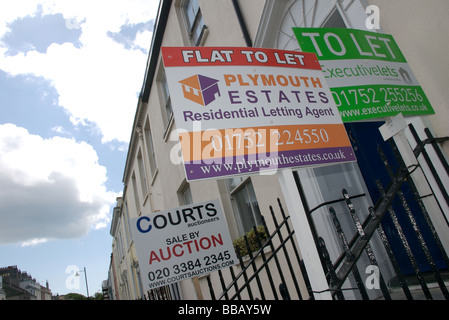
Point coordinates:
[(194, 19), (119, 243), (167, 112), (136, 193), (244, 203), (150, 148), (126, 219), (185, 195), (335, 20), (142, 174)]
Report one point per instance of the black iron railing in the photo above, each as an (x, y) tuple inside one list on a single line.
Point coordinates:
[(271, 272)]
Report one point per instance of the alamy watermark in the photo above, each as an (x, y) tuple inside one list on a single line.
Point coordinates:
[(373, 19), (372, 280), (72, 282)]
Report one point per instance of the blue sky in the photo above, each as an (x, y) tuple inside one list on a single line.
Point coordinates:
[(70, 75)]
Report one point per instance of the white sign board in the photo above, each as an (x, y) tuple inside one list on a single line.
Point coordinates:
[(248, 110), (182, 243)]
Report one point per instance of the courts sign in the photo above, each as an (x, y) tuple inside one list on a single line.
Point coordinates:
[(366, 72), (250, 110), (181, 243)]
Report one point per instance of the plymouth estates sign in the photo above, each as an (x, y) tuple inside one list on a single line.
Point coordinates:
[(250, 110)]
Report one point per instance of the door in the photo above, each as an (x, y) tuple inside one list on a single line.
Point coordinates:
[(367, 143)]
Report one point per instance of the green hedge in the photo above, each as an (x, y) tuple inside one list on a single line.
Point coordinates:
[(252, 240)]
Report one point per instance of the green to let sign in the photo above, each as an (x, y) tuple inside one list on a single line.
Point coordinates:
[(366, 72), (337, 43)]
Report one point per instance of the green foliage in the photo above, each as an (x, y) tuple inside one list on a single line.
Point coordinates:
[(75, 296), (98, 296), (252, 241)]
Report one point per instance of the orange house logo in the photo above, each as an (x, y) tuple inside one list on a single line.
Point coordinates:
[(200, 89)]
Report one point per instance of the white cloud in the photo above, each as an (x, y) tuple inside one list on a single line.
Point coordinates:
[(60, 130), (49, 188), (33, 242), (142, 38), (100, 81)]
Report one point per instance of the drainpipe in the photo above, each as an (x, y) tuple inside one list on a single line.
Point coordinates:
[(246, 36)]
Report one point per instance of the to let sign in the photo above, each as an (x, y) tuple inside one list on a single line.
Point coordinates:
[(182, 243), (250, 110), (366, 71)]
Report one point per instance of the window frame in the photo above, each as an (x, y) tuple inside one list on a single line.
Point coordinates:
[(185, 187), (246, 186), (196, 27), (149, 144), (166, 105), (142, 174)]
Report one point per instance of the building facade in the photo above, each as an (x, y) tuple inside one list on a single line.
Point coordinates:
[(19, 285), (154, 182)]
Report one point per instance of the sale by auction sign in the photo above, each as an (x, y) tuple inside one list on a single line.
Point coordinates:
[(182, 243), (250, 110), (366, 71)]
